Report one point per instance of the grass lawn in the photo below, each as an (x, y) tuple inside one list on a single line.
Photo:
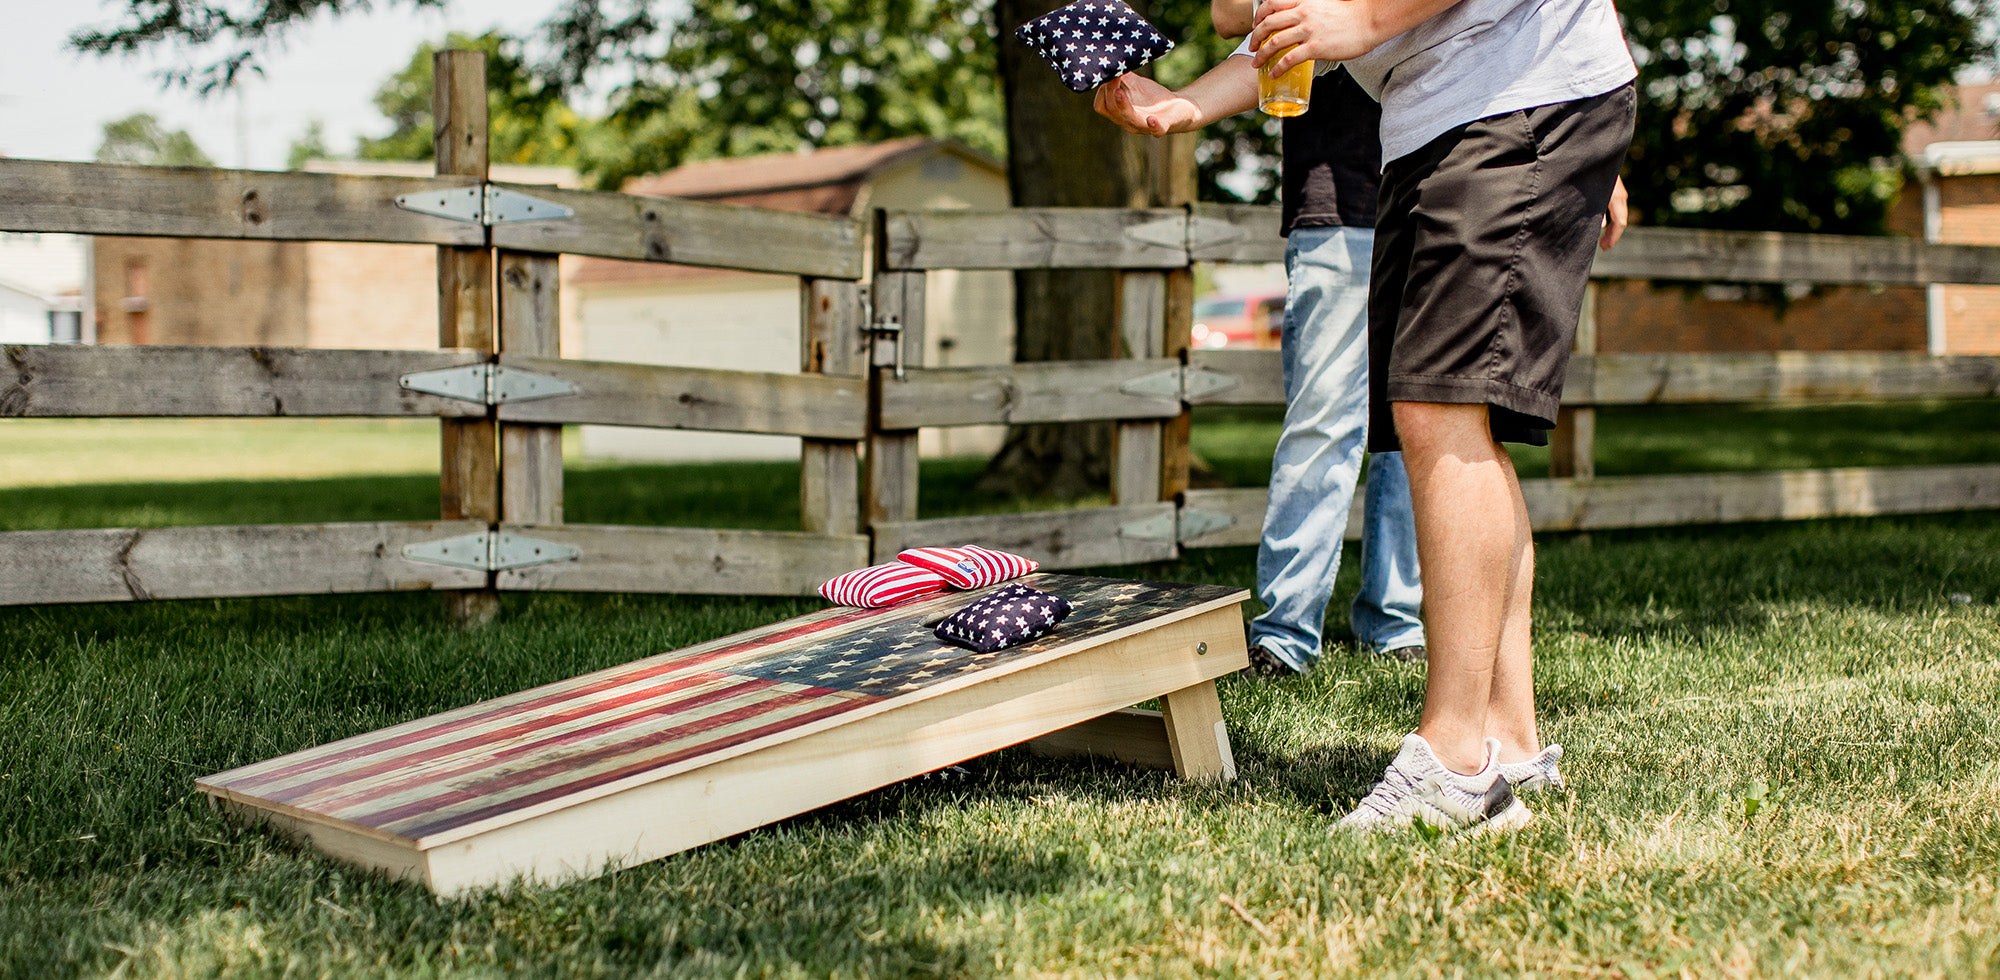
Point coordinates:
[(1784, 755)]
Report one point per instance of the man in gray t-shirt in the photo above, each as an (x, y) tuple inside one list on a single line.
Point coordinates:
[(1504, 124)]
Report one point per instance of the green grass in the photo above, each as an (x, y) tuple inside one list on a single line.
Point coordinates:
[(1783, 745)]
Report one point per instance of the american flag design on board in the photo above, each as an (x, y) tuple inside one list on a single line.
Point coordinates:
[(970, 566), (883, 585), (580, 738), (1092, 41)]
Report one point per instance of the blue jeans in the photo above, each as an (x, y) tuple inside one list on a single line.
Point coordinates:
[(1318, 460)]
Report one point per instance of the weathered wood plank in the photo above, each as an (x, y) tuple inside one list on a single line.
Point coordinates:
[(614, 393), (1236, 377), (889, 486), (1041, 391), (191, 202), (1573, 443), (1723, 256), (1667, 500), (1137, 447), (120, 564), (1057, 538), (469, 449), (1781, 377), (1235, 233), (72, 381), (833, 344), (659, 229), (531, 466), (1035, 238), (1722, 498), (688, 560)]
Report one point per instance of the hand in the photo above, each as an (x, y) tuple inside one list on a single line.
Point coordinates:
[(1288, 32), (1615, 217), (1143, 106)]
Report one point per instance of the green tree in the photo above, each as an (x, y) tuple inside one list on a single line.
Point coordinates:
[(311, 145), (139, 138), (526, 121), (1788, 115)]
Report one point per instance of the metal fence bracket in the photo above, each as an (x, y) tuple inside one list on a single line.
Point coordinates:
[(1199, 381), (1164, 232), (483, 204), (487, 384), (1159, 528), (489, 551), (1161, 384), (1195, 524)]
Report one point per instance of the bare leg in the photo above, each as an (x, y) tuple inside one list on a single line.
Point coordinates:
[(1474, 545)]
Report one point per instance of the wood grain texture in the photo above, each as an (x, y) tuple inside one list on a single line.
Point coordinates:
[(1777, 378), (76, 381), (698, 233), (1036, 238), (687, 560), (1040, 391), (889, 482), (833, 343), (709, 399), (122, 564), (531, 461), (190, 202)]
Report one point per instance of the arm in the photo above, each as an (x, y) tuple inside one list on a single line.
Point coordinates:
[(1615, 217), (1230, 17), (1332, 30), (1143, 106)]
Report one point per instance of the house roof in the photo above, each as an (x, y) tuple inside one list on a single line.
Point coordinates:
[(824, 181)]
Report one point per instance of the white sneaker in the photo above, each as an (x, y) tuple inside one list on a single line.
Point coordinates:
[(1418, 788), (1538, 773)]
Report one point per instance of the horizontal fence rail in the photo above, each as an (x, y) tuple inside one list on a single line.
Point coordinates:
[(1132, 238), (1255, 377), (193, 202), (143, 381), (127, 564)]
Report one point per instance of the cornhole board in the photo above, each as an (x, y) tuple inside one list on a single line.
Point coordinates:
[(632, 763)]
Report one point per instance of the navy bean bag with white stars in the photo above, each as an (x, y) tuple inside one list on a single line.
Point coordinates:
[(1090, 42), (1003, 618)]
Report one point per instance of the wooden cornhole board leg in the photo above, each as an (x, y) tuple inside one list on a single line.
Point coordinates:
[(1187, 737)]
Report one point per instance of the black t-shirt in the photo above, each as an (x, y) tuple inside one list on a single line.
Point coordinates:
[(1333, 157)]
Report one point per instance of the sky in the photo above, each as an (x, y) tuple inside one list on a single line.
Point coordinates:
[(54, 102)]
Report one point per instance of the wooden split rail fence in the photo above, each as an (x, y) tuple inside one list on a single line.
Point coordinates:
[(502, 391)]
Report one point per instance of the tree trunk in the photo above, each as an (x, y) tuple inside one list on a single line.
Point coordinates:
[(1061, 153)]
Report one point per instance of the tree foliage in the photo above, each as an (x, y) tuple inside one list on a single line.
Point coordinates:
[(139, 138), (526, 121), (1787, 115)]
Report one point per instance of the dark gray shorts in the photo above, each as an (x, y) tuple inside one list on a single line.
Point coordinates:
[(1483, 247)]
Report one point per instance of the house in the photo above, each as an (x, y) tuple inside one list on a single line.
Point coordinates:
[(664, 314), (1957, 158), (225, 292), (41, 288)]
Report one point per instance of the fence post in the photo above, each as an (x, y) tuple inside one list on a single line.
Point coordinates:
[(531, 472), (1172, 168), (892, 456), (1572, 446), (1136, 446), (470, 472), (833, 343)]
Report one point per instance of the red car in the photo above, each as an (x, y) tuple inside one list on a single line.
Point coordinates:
[(1239, 320)]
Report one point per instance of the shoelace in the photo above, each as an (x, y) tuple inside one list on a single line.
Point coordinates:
[(1396, 785)]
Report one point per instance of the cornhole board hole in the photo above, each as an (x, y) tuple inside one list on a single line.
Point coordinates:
[(632, 763)]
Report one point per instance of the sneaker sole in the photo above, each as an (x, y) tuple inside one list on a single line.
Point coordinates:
[(1514, 817)]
